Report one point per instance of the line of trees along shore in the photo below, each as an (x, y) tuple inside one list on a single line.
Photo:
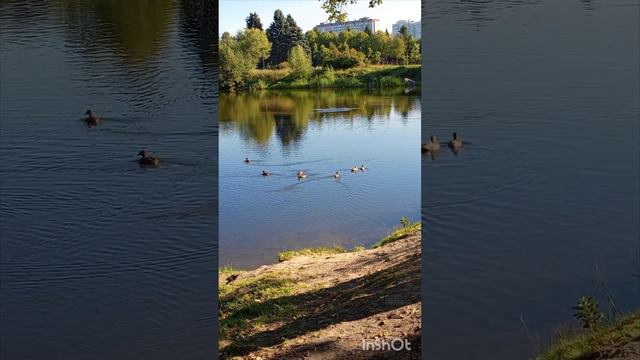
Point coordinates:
[(284, 47)]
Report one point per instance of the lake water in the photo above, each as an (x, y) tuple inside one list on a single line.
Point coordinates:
[(546, 93), (101, 258), (319, 132)]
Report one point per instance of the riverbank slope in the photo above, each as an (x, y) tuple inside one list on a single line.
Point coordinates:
[(619, 340), (324, 305)]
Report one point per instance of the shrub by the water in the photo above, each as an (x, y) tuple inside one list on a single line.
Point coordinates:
[(300, 63), (588, 311)]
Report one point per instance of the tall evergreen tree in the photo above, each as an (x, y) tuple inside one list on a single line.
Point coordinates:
[(253, 21), (295, 32), (284, 33), (277, 32)]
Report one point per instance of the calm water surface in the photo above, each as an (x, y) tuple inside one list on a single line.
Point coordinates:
[(319, 132), (100, 258), (546, 93)]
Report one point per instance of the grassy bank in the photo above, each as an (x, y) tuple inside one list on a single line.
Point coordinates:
[(619, 339), (323, 299), (371, 76)]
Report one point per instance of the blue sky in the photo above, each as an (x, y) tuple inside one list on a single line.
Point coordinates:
[(308, 13)]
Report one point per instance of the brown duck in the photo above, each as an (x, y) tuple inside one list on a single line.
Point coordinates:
[(91, 119), (146, 159), (432, 146)]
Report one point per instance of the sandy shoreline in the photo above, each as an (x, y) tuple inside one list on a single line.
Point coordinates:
[(325, 306)]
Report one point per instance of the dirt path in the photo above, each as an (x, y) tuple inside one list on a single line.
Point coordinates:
[(336, 305)]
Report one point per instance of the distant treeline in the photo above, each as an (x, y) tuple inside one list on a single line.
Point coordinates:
[(283, 46)]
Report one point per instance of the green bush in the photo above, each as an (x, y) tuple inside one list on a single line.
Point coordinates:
[(390, 81), (300, 63)]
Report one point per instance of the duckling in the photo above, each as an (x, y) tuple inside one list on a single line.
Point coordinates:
[(362, 167), (266, 173), (337, 175), (301, 174), (147, 159), (355, 168), (91, 119), (246, 160), (456, 142), (432, 146)]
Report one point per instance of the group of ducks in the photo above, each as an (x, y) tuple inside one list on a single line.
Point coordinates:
[(433, 145), (145, 158), (302, 175)]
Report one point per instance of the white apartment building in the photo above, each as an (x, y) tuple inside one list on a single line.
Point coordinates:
[(354, 25), (413, 27)]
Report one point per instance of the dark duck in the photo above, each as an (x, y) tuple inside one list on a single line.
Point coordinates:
[(91, 119), (146, 159)]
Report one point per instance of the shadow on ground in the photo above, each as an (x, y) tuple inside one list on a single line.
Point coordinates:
[(359, 298)]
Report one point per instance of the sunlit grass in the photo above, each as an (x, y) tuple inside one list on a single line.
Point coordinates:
[(321, 250), (247, 305), (400, 233)]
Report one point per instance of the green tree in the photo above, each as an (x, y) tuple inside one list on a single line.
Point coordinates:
[(396, 50), (300, 62), (295, 32), (254, 44), (284, 34), (379, 44), (337, 8), (234, 65), (253, 21), (404, 31)]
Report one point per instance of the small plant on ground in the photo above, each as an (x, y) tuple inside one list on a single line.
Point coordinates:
[(405, 222), (588, 311)]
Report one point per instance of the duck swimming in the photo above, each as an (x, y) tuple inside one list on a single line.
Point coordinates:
[(354, 168), (265, 173), (301, 174), (362, 167), (456, 142), (246, 160), (432, 146), (146, 159), (337, 175), (91, 119)]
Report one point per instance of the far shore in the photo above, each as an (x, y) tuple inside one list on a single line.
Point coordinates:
[(329, 302), (368, 76)]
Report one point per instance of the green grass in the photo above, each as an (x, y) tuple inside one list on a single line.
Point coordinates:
[(399, 233), (369, 76), (246, 305), (592, 343), (322, 250)]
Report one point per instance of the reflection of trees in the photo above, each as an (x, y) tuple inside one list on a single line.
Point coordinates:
[(288, 129), (135, 30), (22, 14), (200, 28), (258, 116), (476, 13)]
